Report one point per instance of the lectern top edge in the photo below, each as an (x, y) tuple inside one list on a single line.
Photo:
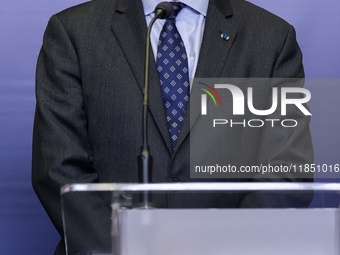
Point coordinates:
[(226, 186)]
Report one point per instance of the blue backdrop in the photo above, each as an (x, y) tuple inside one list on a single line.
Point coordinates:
[(24, 226)]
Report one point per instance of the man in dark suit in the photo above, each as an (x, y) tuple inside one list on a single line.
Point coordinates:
[(89, 88)]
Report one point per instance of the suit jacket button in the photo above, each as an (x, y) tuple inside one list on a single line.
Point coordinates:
[(173, 179)]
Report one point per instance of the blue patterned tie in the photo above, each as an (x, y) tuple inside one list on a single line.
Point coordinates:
[(172, 66)]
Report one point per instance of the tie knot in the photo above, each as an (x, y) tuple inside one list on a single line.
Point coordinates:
[(177, 7)]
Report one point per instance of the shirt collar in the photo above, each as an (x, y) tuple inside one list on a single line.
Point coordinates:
[(200, 6)]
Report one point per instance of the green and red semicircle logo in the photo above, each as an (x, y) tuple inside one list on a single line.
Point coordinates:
[(209, 93)]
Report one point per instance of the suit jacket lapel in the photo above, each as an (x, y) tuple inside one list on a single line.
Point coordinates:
[(129, 28), (213, 56)]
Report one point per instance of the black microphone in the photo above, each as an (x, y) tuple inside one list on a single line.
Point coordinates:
[(162, 11)]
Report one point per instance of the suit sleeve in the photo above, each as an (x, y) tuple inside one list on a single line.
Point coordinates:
[(291, 147), (289, 62), (61, 146)]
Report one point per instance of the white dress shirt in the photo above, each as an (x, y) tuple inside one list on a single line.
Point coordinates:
[(190, 23)]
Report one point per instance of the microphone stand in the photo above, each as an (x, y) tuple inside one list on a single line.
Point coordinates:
[(162, 10)]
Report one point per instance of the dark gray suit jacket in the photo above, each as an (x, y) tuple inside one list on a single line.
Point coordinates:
[(89, 89)]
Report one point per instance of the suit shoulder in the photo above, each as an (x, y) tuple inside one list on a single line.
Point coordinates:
[(257, 16), (86, 12)]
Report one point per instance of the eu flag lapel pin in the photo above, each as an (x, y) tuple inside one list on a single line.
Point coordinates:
[(224, 36)]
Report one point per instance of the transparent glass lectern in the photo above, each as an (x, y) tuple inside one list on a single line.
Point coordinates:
[(201, 219)]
